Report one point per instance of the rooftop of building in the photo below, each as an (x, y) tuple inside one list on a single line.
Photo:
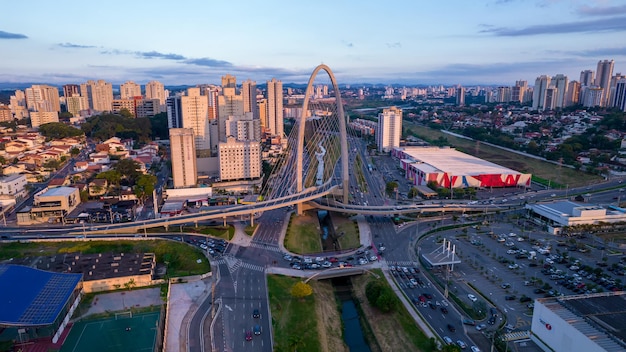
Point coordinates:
[(58, 191), (599, 316), (566, 207), (99, 266), (11, 178), (32, 297), (450, 160)]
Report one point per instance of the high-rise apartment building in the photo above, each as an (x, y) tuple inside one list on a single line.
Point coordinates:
[(183, 154), (613, 88), (43, 98), (275, 107), (17, 103), (156, 90), (603, 79), (560, 82), (573, 93), (248, 92), (620, 94), (389, 129), (130, 90), (174, 111), (229, 81), (518, 91), (586, 78), (230, 106), (195, 112), (71, 90), (262, 107), (38, 118), (5, 113), (75, 104), (460, 96), (239, 160), (504, 94), (592, 96), (99, 94), (539, 93)]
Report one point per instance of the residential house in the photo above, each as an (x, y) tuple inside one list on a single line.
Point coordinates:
[(80, 166), (58, 182), (98, 187), (13, 186)]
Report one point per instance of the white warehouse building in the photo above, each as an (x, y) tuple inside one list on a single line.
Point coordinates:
[(590, 323)]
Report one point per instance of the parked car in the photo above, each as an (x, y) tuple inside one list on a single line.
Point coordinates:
[(447, 340), (461, 344), (472, 297), (509, 297), (451, 328)]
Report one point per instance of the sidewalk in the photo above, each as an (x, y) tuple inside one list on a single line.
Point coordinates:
[(240, 237), (184, 299)]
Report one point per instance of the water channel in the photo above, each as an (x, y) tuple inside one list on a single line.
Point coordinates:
[(352, 331)]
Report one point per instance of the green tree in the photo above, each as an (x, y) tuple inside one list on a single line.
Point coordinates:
[(301, 289), (113, 177), (52, 164), (126, 113), (412, 193), (58, 130), (128, 169), (381, 296), (144, 186), (450, 348), (391, 187), (74, 151)]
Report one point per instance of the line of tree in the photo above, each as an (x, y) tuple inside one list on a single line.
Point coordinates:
[(59, 130)]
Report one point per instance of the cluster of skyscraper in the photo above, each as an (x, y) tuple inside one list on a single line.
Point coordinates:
[(217, 130), (604, 90), (42, 104)]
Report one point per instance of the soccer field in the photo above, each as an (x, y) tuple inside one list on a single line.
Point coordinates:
[(121, 333)]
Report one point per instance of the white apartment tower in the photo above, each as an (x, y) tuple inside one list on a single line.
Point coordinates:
[(560, 82), (183, 154), (17, 103), (518, 91), (586, 78), (129, 90), (573, 93), (603, 79), (43, 98), (99, 94), (275, 107), (156, 90), (389, 129), (539, 93), (239, 160), (194, 112), (460, 96)]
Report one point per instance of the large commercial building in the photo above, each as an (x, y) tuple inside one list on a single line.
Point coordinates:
[(51, 205), (183, 156), (591, 323), (389, 129), (450, 168), (567, 213)]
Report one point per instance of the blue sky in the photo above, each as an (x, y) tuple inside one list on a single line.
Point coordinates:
[(409, 41)]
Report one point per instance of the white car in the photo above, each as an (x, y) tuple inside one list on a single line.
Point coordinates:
[(373, 258), (472, 297), (475, 349)]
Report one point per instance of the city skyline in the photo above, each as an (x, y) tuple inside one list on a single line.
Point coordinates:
[(487, 42)]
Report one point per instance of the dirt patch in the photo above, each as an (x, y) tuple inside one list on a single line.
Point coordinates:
[(330, 330)]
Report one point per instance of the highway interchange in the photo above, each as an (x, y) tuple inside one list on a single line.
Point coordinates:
[(240, 272)]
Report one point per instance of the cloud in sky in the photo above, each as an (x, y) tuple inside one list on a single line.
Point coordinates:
[(7, 35), (206, 61), (346, 43), (615, 24), (606, 52), (157, 55), (394, 45), (601, 11), (75, 46)]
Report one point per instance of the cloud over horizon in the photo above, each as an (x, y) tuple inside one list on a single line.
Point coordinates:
[(75, 46), (615, 24), (8, 35)]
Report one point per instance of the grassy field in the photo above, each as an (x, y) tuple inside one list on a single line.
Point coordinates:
[(395, 331), (311, 324), (350, 229), (560, 176), (181, 258), (303, 234)]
